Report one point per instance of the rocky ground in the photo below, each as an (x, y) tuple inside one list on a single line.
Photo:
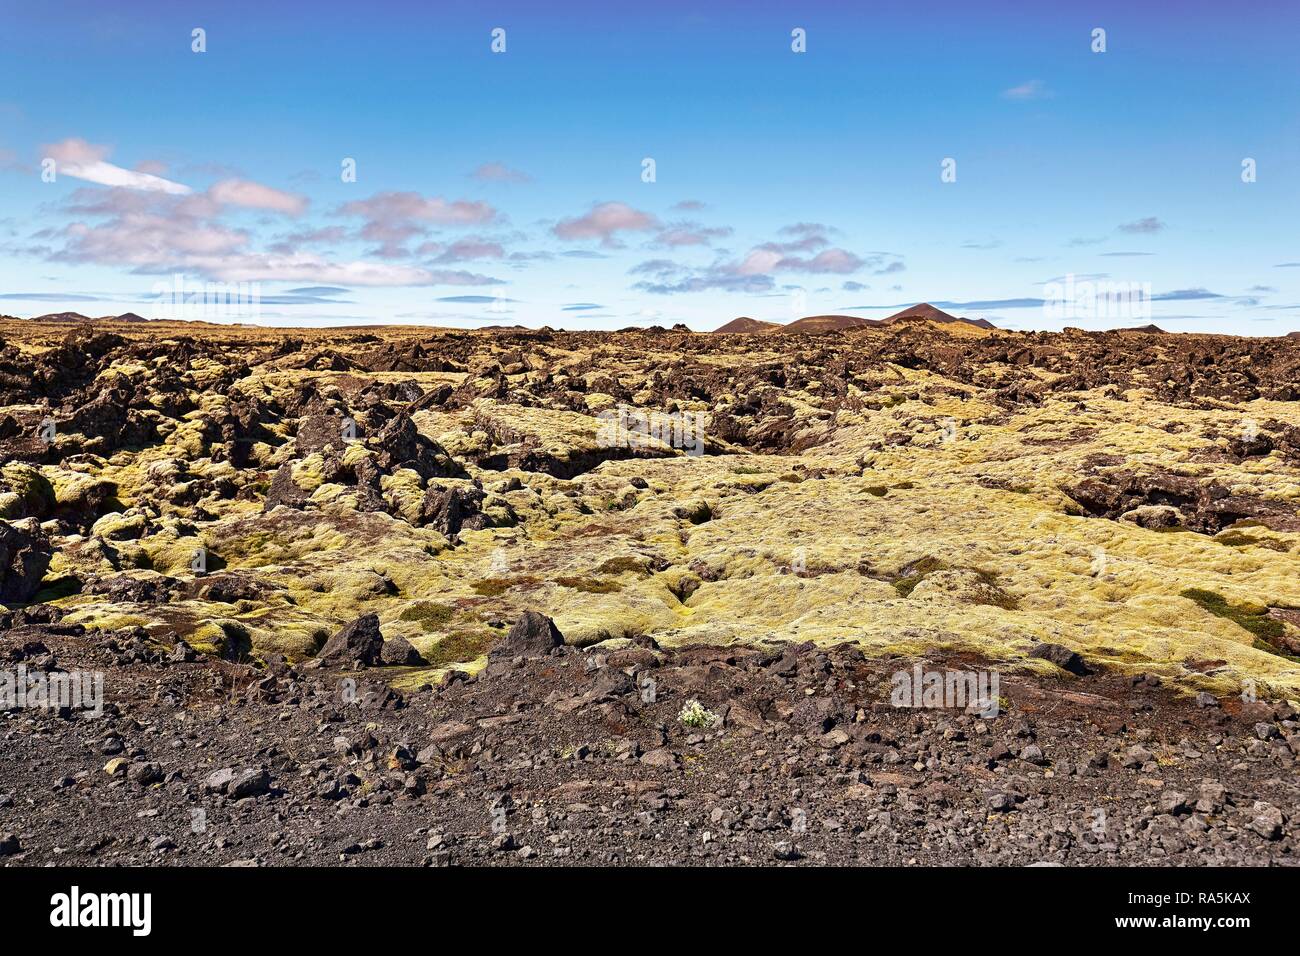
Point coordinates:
[(396, 596), (552, 754)]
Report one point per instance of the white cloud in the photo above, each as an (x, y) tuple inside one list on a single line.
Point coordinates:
[(244, 192), (392, 218), (82, 160), (1029, 90), (151, 233), (303, 267), (499, 173), (603, 221), (1142, 226)]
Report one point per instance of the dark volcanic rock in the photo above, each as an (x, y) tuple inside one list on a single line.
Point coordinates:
[(284, 490), (358, 642), (1062, 657), (249, 783), (451, 509), (400, 445), (321, 427), (143, 590), (24, 558), (110, 418), (397, 651), (533, 635), (1205, 507)]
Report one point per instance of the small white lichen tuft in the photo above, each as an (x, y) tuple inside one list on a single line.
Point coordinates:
[(695, 714)]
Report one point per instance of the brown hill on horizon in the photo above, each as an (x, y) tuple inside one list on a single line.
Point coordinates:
[(61, 317), (78, 317), (744, 325), (829, 323), (924, 311), (921, 312)]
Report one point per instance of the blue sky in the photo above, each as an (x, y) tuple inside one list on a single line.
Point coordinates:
[(508, 187)]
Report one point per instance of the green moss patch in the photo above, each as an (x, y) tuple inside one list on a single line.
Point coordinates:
[(495, 587), (914, 573), (460, 646), (1235, 539), (1263, 645), (998, 597), (589, 585), (57, 589), (623, 565), (1253, 618), (427, 614)]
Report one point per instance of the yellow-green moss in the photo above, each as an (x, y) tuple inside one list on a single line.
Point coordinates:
[(427, 614), (589, 585), (1253, 618)]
